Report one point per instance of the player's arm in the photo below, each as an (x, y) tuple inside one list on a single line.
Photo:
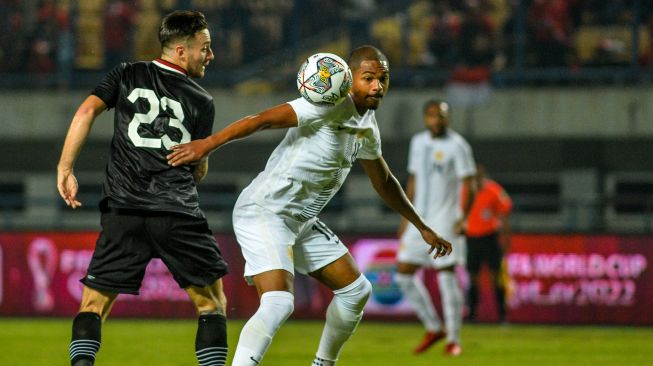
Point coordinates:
[(469, 186), (78, 131), (387, 186), (410, 194), (281, 116), (504, 209)]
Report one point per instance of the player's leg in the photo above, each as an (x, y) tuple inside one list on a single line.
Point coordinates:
[(276, 304), (474, 260), (266, 242), (452, 305), (87, 326), (351, 291), (211, 337), (494, 258), (188, 248), (413, 255), (118, 266), (321, 254), (420, 300)]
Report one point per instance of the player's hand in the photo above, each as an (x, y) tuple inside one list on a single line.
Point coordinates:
[(68, 186), (438, 244), (191, 152)]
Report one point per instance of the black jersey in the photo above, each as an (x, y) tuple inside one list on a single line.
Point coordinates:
[(156, 106)]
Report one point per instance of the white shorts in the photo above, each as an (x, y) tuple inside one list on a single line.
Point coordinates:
[(269, 241), (414, 250)]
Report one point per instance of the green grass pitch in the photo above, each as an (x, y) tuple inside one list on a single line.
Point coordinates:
[(28, 342)]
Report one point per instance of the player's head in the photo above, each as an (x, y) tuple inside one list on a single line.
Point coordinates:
[(186, 40), (371, 77), (436, 117)]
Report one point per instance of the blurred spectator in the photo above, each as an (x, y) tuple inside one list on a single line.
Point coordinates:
[(65, 47), (609, 52), (469, 84), (549, 30), (607, 12), (476, 46), (646, 58), (470, 38), (119, 19), (13, 37), (444, 34), (357, 15), (264, 31), (42, 56)]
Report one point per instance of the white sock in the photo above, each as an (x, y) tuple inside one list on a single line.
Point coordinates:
[(343, 315), (452, 304), (256, 336), (420, 299)]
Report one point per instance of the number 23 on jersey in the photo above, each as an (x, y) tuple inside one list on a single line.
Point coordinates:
[(156, 106)]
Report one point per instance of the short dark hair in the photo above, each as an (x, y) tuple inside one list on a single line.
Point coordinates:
[(436, 102), (365, 53), (181, 24)]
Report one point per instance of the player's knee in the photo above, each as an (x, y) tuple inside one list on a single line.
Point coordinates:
[(211, 304), (208, 299), (276, 306), (355, 295)]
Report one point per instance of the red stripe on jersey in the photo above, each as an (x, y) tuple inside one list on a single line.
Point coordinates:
[(174, 66)]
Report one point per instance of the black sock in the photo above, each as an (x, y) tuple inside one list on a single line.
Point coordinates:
[(211, 340), (473, 300), (85, 341), (500, 294)]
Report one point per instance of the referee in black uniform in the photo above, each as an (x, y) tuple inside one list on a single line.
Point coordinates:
[(150, 209)]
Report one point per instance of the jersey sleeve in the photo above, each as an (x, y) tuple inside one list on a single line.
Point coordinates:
[(413, 156), (464, 160), (308, 113), (109, 88)]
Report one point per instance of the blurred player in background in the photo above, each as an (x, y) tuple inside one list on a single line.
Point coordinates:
[(275, 218), (488, 237), (149, 208), (440, 161)]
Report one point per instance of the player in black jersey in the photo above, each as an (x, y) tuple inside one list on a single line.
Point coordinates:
[(149, 208)]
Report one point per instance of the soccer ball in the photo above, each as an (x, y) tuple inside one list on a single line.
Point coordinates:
[(324, 79)]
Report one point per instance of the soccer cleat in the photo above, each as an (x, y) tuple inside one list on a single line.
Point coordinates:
[(453, 350), (430, 338)]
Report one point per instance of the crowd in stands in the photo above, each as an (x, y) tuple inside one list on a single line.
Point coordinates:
[(471, 37)]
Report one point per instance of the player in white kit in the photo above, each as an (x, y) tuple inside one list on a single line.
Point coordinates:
[(275, 217), (439, 161)]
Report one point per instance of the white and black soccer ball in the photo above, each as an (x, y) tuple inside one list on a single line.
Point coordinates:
[(324, 79)]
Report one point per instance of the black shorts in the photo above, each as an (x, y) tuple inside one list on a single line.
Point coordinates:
[(130, 239), (483, 249)]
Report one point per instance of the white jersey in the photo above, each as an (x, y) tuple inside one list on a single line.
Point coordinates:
[(438, 165), (312, 161)]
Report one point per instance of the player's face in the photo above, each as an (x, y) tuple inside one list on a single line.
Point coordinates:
[(436, 119), (199, 53), (370, 84)]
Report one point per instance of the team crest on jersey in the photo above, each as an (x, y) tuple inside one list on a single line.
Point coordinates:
[(290, 253), (439, 155)]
